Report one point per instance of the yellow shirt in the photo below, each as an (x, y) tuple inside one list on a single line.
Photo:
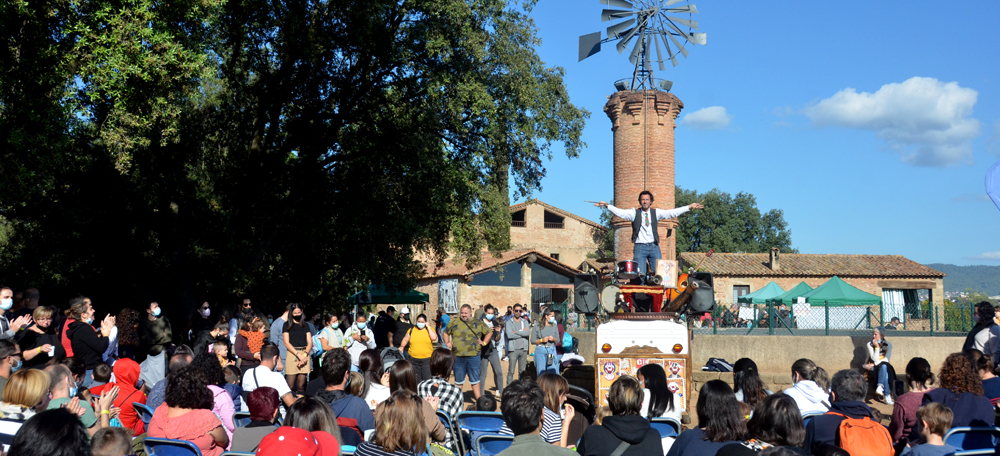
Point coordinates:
[(420, 343)]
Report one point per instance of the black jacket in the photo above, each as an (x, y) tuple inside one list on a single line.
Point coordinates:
[(602, 440), (823, 429), (88, 345)]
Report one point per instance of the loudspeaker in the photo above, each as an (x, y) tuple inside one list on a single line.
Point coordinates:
[(703, 298), (586, 296)]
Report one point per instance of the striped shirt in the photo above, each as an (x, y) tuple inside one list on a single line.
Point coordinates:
[(551, 427), (371, 449)]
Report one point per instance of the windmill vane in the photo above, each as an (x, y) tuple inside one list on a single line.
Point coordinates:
[(644, 25)]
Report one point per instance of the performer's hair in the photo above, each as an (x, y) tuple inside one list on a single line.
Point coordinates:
[(647, 192)]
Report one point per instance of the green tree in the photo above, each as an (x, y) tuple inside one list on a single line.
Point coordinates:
[(288, 150), (730, 224)]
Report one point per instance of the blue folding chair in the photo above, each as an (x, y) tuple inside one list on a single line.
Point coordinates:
[(169, 447), (667, 427), (145, 413), (453, 430), (491, 444), (480, 421), (348, 450), (241, 419), (973, 440)]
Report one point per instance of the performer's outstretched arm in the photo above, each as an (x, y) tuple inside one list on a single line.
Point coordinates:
[(623, 213), (676, 212)]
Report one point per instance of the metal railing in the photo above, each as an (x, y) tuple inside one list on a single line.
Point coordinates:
[(518, 223), (556, 225)]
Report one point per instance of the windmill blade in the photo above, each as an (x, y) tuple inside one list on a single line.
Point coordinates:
[(692, 9), (618, 3), (624, 43), (671, 2), (615, 31), (692, 24), (641, 29), (637, 48), (610, 14), (673, 58), (678, 30), (659, 55), (680, 48), (645, 54), (590, 44), (699, 38)]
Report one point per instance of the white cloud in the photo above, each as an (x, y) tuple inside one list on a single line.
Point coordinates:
[(988, 256), (928, 121), (711, 118)]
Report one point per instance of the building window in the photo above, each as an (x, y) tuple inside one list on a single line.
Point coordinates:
[(554, 220), (740, 290), (508, 276), (517, 219), (555, 256)]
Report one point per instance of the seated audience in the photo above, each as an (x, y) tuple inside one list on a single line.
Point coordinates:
[(263, 404), (112, 441), (486, 403), (102, 376), (372, 390), (747, 384), (624, 428), (961, 391), (904, 412), (265, 375), (403, 377), (186, 413), (126, 378), (315, 416), (451, 400), (222, 403), (555, 388), (523, 407), (657, 398), (810, 397), (848, 390), (62, 389), (232, 385), (56, 432), (155, 397), (719, 422), (347, 407), (991, 383), (936, 420), (292, 441), (23, 397), (357, 383), (776, 422)]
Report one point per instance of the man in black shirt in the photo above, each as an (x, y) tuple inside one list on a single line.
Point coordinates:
[(385, 324)]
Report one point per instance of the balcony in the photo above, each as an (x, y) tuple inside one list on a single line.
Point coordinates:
[(554, 225)]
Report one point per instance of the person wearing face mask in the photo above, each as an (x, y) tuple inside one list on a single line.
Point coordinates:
[(218, 333), (330, 336), (420, 339), (202, 321), (63, 389), (490, 353), (546, 337), (88, 345), (298, 344), (359, 338), (244, 314), (879, 356), (10, 361), (9, 329), (156, 336), (518, 332)]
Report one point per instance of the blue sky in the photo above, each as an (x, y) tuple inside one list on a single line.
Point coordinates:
[(871, 124)]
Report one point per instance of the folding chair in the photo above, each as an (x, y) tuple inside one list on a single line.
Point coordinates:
[(169, 447), (348, 450), (480, 421), (241, 419), (973, 440), (491, 444), (145, 413), (456, 434), (668, 427)]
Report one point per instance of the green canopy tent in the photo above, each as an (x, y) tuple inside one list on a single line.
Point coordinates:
[(762, 295), (836, 292), (380, 296), (789, 296)]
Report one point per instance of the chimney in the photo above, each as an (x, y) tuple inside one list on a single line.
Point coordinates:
[(775, 252)]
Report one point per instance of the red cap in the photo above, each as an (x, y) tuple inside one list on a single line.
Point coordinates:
[(290, 441)]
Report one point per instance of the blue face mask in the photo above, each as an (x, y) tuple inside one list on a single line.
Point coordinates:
[(73, 390), (156, 312), (489, 316), (6, 304), (552, 320), (90, 321), (421, 325), (15, 367), (362, 325)]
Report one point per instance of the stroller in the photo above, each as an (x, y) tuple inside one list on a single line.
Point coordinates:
[(389, 357)]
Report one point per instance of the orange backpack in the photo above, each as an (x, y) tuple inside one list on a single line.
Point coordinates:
[(863, 437)]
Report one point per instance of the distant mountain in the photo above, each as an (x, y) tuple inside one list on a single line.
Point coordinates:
[(980, 278)]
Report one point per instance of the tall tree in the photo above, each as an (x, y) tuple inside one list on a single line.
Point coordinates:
[(730, 224)]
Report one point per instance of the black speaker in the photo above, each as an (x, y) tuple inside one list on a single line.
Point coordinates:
[(703, 298), (586, 296)]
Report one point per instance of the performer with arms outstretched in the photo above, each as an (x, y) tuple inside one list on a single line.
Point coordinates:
[(645, 237)]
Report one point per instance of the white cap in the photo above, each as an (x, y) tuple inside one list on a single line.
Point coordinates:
[(405, 310)]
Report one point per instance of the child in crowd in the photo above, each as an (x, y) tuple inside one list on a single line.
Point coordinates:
[(111, 441), (102, 376), (232, 385), (486, 403), (221, 350), (254, 332), (937, 420)]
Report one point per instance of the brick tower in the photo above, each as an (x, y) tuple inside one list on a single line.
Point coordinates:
[(644, 159)]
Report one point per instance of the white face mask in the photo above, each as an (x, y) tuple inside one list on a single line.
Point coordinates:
[(6, 304)]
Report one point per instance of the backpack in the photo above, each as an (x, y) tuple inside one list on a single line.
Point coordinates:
[(863, 436), (389, 356), (317, 348)]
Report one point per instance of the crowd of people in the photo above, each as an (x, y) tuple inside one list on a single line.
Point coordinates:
[(330, 383)]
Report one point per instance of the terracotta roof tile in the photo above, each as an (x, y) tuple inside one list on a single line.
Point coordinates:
[(456, 266), (556, 210), (800, 264)]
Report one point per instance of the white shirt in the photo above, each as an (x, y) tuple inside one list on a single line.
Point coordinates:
[(355, 347), (646, 227), (267, 377), (377, 394), (674, 412)]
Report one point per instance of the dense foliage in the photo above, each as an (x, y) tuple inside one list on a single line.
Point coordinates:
[(203, 149)]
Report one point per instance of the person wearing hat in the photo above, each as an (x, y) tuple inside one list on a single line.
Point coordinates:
[(402, 326), (292, 441)]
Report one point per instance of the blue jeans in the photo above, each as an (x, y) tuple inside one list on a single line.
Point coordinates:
[(541, 353), (883, 378), (467, 365), (642, 253)]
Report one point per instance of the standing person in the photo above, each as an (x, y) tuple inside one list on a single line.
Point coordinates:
[(40, 341), (9, 329), (402, 326), (205, 339), (518, 333), (545, 335), (156, 336), (88, 345), (245, 313), (442, 320), (201, 321), (645, 235), (490, 352), (277, 336), (331, 336), (384, 325), (879, 353), (810, 397), (904, 414), (523, 407), (359, 338), (298, 344), (420, 339), (10, 361), (985, 335), (465, 336), (625, 432), (249, 341)]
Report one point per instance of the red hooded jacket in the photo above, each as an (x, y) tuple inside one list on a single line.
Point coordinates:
[(126, 376)]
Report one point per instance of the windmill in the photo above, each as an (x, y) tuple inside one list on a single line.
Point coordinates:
[(648, 23)]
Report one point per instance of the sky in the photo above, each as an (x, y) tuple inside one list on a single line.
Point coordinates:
[(870, 124)]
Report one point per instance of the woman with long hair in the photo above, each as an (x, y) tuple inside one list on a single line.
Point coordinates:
[(904, 414), (128, 334), (748, 387), (809, 396), (373, 391), (555, 429), (40, 342), (879, 353), (313, 414), (222, 402), (401, 376), (546, 337), (400, 429), (421, 339), (186, 413), (776, 422), (623, 425), (962, 391), (298, 342), (719, 422), (657, 398)]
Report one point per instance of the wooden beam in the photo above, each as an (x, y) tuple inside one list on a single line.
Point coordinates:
[(546, 285), (907, 284)]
